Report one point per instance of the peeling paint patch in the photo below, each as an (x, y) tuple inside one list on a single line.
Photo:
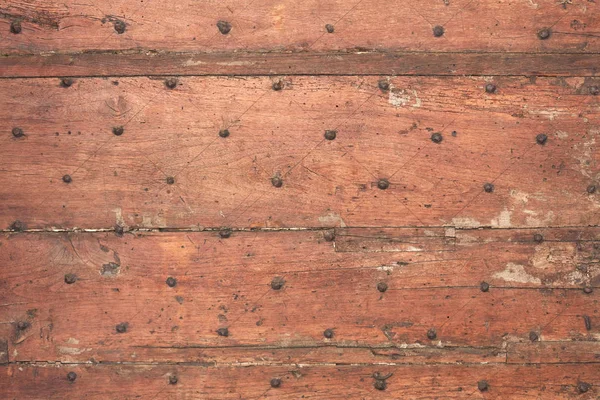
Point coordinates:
[(516, 273), (465, 222), (332, 220), (503, 220), (404, 97)]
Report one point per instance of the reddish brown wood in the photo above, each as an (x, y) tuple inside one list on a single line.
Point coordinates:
[(276, 25), (333, 382), (556, 352), (227, 181)]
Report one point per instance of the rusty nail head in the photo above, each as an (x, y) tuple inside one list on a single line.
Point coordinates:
[(431, 334), (538, 238), (15, 27), (482, 386), (275, 382), (594, 90), (223, 332), (23, 325), (583, 387), (382, 287), (70, 279), (591, 189), (383, 85), (17, 226), (488, 187), (438, 31), (485, 287), (328, 333), (224, 133), (171, 282), (544, 33), (18, 132), (277, 283), (171, 83), (533, 336), (118, 130), (122, 327), (173, 379), (170, 180), (278, 85), (119, 230), (224, 27), (437, 138), (587, 290), (490, 88), (383, 184), (330, 134), (380, 384), (330, 28), (119, 26), (66, 82), (329, 236), (541, 138), (225, 233), (67, 179), (277, 181), (71, 376)]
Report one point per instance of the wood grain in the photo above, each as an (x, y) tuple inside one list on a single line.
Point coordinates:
[(123, 180), (333, 382), (226, 283), (286, 25)]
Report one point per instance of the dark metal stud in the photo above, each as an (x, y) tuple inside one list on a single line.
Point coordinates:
[(119, 230), (583, 387), (538, 238), (588, 322), (380, 384), (437, 138), (485, 287), (118, 130), (122, 327), (438, 31), (224, 133), (120, 26), (330, 28), (67, 179), (17, 132), (594, 90), (170, 180), (70, 279), (15, 27), (383, 184), (23, 325), (71, 376), (382, 287), (17, 226), (483, 386), (277, 181), (328, 333), (223, 332), (383, 85), (542, 138), (278, 85), (329, 236), (330, 135), (224, 27), (587, 290), (490, 88), (66, 82), (173, 379), (544, 33), (533, 336), (591, 189), (171, 83), (431, 334), (171, 282), (275, 382), (488, 187), (225, 233), (277, 283)]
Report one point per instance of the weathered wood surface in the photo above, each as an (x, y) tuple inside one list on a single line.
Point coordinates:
[(318, 382), (227, 283), (174, 133), (288, 25)]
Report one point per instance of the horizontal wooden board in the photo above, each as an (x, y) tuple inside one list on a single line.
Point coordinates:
[(331, 382), (112, 64), (228, 283), (555, 352), (174, 134), (287, 25)]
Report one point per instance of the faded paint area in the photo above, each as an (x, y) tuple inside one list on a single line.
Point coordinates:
[(502, 221), (332, 220), (465, 222), (404, 97), (584, 153), (516, 273)]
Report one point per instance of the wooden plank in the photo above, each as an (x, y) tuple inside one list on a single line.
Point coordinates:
[(46, 381), (228, 283), (174, 133), (556, 352), (286, 25), (304, 63)]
